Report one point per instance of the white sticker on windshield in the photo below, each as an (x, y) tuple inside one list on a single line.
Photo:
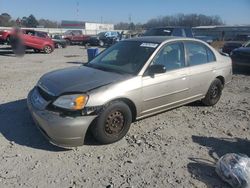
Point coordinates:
[(150, 45)]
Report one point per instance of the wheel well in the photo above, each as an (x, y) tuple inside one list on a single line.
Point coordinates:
[(131, 105), (221, 78)]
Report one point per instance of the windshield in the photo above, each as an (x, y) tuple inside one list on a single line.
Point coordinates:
[(159, 32), (124, 57), (102, 34)]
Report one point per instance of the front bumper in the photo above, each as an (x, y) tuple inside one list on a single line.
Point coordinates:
[(63, 131)]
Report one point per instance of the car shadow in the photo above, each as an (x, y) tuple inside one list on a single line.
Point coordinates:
[(196, 104), (75, 62), (222, 146), (7, 51), (17, 126), (204, 170)]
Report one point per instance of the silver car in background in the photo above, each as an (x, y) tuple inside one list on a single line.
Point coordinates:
[(131, 80)]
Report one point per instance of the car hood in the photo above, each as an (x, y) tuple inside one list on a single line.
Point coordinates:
[(77, 80)]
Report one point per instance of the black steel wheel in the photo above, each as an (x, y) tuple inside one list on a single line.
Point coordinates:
[(113, 123), (214, 93)]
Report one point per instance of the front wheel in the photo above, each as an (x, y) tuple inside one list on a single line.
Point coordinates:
[(113, 123), (47, 49), (58, 45), (214, 93)]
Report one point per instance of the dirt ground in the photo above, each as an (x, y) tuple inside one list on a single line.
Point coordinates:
[(177, 148)]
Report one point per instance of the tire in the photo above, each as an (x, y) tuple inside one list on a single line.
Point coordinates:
[(47, 49), (58, 45), (8, 40), (113, 123), (37, 51), (214, 93), (101, 43)]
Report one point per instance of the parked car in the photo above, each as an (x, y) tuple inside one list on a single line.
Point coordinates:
[(104, 38), (59, 41), (242, 38), (241, 56), (31, 39), (170, 31), (207, 39), (230, 46), (5, 36), (75, 37), (131, 80), (37, 40)]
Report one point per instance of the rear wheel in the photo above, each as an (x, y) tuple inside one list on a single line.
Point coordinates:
[(214, 93), (101, 43), (113, 123), (47, 49)]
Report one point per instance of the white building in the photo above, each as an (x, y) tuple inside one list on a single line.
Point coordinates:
[(99, 26)]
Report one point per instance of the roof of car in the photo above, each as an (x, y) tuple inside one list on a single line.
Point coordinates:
[(154, 39)]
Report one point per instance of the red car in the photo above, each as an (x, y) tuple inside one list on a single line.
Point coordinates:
[(37, 40), (75, 36), (5, 36)]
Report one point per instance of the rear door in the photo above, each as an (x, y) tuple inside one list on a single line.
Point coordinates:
[(28, 38), (168, 89), (202, 68), (40, 39)]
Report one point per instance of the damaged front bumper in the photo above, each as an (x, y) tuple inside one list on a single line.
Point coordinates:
[(63, 131)]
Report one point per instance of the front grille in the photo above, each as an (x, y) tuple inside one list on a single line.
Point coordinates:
[(45, 95)]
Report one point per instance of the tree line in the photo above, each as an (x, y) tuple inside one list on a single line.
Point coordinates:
[(7, 21), (188, 20)]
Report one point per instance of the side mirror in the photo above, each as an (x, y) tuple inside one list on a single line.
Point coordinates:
[(156, 69)]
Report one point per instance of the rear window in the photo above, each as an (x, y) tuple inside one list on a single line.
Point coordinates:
[(159, 32)]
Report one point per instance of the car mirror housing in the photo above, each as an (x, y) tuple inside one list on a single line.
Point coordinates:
[(156, 69)]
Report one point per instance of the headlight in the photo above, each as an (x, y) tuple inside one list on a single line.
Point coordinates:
[(71, 102), (231, 53)]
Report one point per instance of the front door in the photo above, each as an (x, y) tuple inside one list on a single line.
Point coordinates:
[(166, 90)]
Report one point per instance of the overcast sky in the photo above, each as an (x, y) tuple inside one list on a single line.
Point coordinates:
[(113, 11)]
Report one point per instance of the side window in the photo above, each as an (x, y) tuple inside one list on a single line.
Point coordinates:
[(196, 53), (210, 55), (29, 32), (171, 56), (41, 35)]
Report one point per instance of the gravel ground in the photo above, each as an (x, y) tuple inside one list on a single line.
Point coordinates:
[(177, 148)]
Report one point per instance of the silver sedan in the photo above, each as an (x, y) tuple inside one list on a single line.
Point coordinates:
[(131, 80)]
